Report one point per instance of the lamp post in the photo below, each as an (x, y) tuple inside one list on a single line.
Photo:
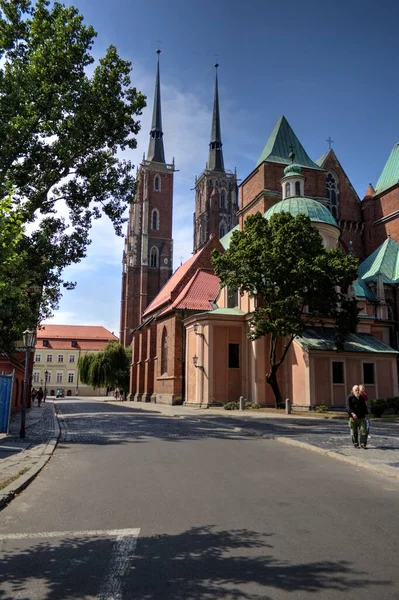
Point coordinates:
[(29, 343), (45, 385)]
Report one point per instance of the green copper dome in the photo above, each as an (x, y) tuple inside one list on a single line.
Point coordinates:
[(292, 170), (303, 206)]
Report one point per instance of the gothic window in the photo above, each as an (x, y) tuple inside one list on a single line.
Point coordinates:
[(155, 220), (297, 188), (332, 194), (287, 190), (157, 183), (223, 199), (222, 230), (154, 257), (232, 297), (164, 353)]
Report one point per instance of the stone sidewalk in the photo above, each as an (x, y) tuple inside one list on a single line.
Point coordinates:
[(328, 436), (22, 460)]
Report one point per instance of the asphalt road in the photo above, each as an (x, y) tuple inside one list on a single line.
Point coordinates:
[(136, 505)]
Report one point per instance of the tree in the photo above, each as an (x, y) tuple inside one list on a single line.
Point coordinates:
[(109, 368), (63, 123), (296, 282)]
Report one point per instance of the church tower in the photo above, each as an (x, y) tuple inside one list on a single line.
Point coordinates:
[(215, 189), (147, 257)]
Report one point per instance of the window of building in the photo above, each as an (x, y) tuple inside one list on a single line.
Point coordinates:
[(164, 354), (74, 344), (234, 356), (155, 220), (223, 199), (232, 298), (47, 377), (222, 230), (45, 343), (59, 377), (157, 183), (332, 194), (368, 373), (338, 372), (38, 357), (297, 188), (71, 358), (35, 377), (287, 190), (60, 358), (49, 358), (70, 377), (154, 257)]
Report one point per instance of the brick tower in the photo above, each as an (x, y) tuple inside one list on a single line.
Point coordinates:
[(215, 189), (147, 257)]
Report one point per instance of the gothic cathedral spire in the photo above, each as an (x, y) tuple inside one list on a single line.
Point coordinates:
[(215, 189), (155, 148), (215, 160)]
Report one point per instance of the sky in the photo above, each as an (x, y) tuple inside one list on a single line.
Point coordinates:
[(330, 68)]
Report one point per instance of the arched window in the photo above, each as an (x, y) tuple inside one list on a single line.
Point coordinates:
[(223, 199), (155, 220), (164, 352), (157, 183), (332, 194), (222, 230), (287, 190), (297, 188), (154, 257)]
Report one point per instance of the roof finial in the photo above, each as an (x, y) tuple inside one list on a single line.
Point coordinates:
[(330, 141)]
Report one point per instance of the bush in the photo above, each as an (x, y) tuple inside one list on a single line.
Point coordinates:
[(236, 406), (321, 408), (378, 407), (393, 404), (231, 406)]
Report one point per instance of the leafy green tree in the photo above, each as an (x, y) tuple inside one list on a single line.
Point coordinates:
[(63, 123), (296, 282), (109, 368)]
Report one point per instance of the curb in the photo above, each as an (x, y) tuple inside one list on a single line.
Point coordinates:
[(17, 486), (388, 471)]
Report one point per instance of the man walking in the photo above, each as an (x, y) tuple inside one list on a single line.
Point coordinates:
[(39, 396), (357, 411)]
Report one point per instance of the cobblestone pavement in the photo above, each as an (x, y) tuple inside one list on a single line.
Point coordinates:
[(19, 459)]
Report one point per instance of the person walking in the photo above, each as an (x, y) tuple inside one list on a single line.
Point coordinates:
[(357, 411), (33, 394), (39, 396)]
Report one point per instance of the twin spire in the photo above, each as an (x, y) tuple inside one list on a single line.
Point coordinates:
[(156, 150)]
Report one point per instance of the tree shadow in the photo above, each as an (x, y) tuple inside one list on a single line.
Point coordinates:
[(202, 563)]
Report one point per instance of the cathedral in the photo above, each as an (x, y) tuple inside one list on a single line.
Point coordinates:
[(189, 337)]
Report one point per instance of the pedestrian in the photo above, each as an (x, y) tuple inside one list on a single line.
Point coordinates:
[(357, 411), (362, 391), (116, 394), (39, 396), (33, 394)]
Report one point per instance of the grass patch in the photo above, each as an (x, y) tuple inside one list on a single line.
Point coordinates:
[(8, 481)]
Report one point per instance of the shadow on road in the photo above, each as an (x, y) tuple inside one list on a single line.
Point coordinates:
[(202, 563)]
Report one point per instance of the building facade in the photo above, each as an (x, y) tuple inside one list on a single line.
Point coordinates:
[(57, 352)]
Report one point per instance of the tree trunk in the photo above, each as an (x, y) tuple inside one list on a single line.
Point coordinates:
[(271, 379)]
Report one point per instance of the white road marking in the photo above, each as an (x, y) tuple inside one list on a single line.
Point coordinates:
[(111, 587), (122, 553), (85, 533)]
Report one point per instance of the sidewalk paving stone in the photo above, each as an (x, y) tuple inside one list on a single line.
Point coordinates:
[(21, 460)]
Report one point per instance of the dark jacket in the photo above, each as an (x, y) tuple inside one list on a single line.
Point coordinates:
[(357, 406), (40, 395)]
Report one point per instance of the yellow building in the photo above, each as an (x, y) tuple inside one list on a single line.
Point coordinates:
[(58, 349)]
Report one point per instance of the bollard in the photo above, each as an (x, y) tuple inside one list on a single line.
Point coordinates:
[(287, 406), (241, 402)]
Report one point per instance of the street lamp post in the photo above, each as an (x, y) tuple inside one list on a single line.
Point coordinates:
[(45, 385), (29, 343)]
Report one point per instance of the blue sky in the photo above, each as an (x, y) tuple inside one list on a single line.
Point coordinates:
[(330, 68)]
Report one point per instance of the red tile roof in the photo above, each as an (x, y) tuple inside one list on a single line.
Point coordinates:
[(165, 294), (88, 337), (200, 291)]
